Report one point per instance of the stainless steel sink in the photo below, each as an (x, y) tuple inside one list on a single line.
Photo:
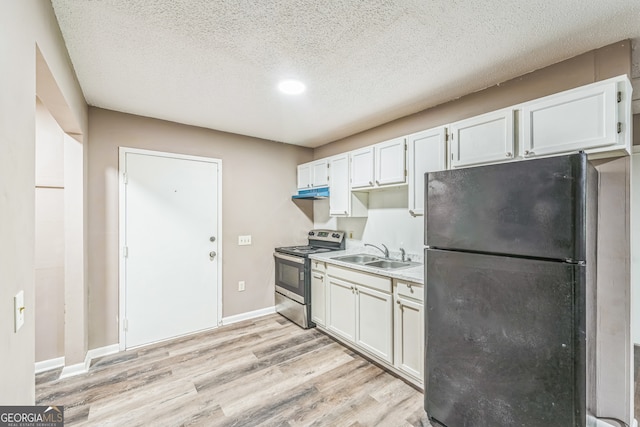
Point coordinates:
[(388, 264), (357, 259), (374, 261)]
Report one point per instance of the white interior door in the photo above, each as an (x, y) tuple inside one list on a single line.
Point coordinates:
[(170, 246)]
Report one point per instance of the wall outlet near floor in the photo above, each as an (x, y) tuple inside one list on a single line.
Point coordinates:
[(244, 240), (18, 310), (241, 286)]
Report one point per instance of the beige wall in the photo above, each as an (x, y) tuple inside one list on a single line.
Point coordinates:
[(599, 64), (49, 237), (258, 179), (25, 27)]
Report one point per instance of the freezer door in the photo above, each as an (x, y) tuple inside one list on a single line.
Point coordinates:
[(533, 208), (505, 341)]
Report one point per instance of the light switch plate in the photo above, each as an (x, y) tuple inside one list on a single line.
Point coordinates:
[(244, 240), (18, 310)]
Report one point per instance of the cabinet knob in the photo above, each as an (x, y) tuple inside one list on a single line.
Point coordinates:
[(528, 153), (509, 154), (370, 182), (377, 182)]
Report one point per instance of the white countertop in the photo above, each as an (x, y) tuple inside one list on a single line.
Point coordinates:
[(410, 274)]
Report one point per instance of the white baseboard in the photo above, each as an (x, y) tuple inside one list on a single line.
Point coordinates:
[(46, 365), (249, 315), (82, 368), (103, 351), (77, 369)]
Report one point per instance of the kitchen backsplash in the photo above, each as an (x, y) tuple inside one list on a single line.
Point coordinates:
[(389, 222)]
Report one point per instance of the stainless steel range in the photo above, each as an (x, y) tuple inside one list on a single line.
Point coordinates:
[(293, 274)]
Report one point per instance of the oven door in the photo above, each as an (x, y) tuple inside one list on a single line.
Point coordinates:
[(290, 276)]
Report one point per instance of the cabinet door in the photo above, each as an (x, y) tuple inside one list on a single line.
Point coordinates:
[(339, 191), (320, 173), (578, 119), (362, 168), (409, 337), (483, 139), (304, 176), (374, 322), (341, 313), (390, 162), (427, 153), (318, 296)]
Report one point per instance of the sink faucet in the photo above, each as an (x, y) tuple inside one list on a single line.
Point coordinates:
[(403, 254), (385, 251)]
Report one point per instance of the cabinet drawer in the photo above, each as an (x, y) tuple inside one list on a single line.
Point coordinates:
[(410, 290), (380, 283), (318, 266)]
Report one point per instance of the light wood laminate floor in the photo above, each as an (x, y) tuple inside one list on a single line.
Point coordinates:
[(266, 371)]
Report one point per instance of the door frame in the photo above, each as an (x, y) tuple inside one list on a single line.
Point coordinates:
[(123, 151)]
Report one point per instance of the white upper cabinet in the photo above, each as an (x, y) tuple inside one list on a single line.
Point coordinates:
[(379, 165), (342, 202), (304, 176), (320, 173), (390, 161), (362, 167), (427, 153), (595, 116), (313, 174), (483, 139), (339, 191)]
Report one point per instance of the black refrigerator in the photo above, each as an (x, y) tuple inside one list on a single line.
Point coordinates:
[(510, 278)]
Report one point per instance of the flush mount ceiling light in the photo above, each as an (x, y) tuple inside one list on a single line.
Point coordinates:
[(291, 87)]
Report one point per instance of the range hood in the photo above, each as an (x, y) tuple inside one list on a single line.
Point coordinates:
[(312, 194)]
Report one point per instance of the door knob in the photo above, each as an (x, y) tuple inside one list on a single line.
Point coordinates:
[(212, 254)]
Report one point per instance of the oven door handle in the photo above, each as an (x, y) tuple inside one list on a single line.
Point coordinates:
[(297, 260)]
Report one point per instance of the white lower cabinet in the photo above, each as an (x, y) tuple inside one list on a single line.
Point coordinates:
[(409, 336), (318, 293), (342, 309), (360, 310), (374, 320)]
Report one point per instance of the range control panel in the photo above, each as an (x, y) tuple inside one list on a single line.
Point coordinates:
[(333, 236)]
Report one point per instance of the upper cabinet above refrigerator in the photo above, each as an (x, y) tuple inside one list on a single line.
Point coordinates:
[(488, 138), (596, 117)]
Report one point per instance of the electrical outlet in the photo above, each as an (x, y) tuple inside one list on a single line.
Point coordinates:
[(244, 240), (18, 310), (241, 286)]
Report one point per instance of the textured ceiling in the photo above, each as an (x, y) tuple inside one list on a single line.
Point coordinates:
[(216, 64)]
